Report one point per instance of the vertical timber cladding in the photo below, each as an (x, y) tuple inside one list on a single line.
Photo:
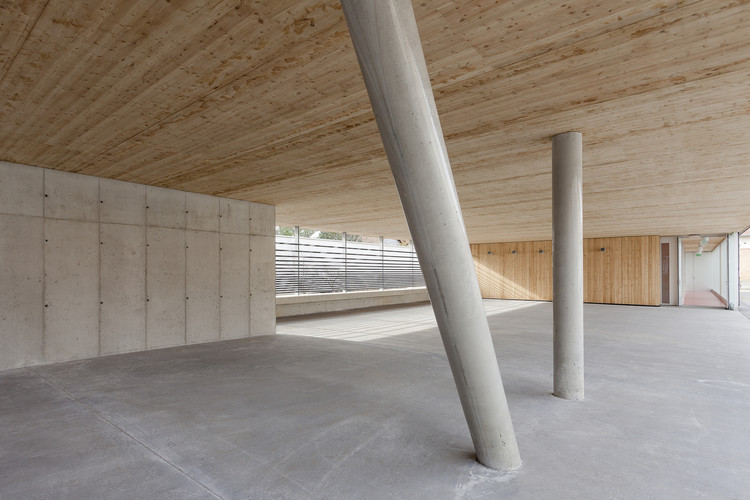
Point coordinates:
[(626, 272), (518, 270)]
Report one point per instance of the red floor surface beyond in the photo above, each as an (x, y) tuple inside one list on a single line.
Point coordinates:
[(702, 298)]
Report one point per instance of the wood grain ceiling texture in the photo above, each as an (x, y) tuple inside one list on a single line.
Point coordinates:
[(263, 100)]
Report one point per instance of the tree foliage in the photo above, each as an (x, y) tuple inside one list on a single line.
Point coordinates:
[(312, 233), (289, 231)]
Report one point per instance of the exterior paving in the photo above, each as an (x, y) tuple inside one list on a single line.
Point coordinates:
[(744, 306)]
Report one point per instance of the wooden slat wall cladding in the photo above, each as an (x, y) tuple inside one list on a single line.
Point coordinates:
[(525, 274), (626, 272)]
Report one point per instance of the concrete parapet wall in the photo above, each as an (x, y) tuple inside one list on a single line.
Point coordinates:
[(297, 305), (92, 266)]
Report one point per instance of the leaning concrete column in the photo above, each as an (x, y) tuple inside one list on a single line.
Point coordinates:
[(567, 264), (390, 56)]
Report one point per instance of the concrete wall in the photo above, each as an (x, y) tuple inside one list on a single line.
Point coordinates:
[(296, 305), (92, 266)]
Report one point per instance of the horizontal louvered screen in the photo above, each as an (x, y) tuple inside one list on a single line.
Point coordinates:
[(326, 266)]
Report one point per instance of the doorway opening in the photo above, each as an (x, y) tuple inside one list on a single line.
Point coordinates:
[(704, 271), (665, 279)]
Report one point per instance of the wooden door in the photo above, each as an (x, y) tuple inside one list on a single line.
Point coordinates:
[(665, 273)]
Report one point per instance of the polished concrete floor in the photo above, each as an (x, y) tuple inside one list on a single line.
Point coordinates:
[(366, 408)]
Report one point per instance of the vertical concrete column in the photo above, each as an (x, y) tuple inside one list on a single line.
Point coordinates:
[(680, 272), (567, 264), (733, 270), (346, 264), (390, 56), (382, 264), (299, 265), (411, 262)]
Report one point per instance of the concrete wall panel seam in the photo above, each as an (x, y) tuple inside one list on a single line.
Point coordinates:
[(72, 289), (21, 301), (145, 280), (249, 280), (184, 250), (122, 278), (44, 276)]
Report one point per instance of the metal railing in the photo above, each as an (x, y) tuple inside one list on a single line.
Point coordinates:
[(309, 265)]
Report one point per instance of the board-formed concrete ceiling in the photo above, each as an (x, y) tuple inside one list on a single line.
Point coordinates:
[(263, 101)]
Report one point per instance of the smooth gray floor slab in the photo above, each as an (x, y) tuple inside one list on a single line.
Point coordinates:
[(53, 446), (370, 411), (744, 305)]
